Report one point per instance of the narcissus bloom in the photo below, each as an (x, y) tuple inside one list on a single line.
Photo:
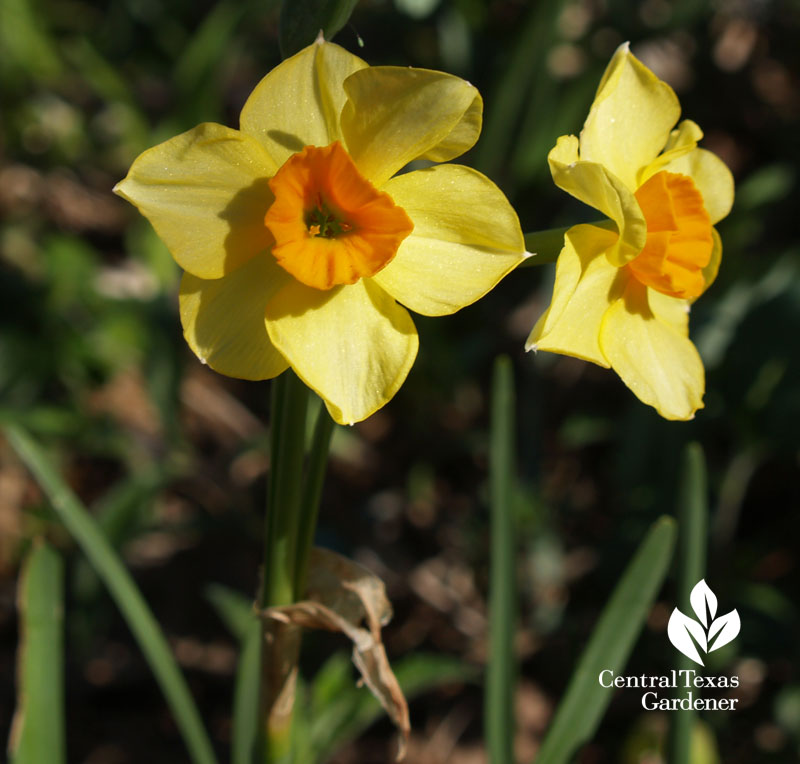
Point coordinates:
[(298, 239), (622, 292)]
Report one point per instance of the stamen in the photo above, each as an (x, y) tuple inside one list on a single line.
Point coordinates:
[(331, 225)]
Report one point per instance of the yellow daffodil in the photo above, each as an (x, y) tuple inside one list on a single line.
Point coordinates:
[(298, 238), (622, 292)]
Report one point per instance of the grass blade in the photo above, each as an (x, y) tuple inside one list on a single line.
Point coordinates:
[(499, 704), (585, 701), (513, 87), (246, 696), (340, 710), (236, 611), (123, 590), (691, 556), (37, 734)]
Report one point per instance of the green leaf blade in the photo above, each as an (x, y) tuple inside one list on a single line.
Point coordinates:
[(236, 611), (108, 565), (610, 645), (499, 705), (38, 732)]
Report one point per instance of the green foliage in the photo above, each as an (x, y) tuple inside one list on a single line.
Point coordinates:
[(331, 710), (609, 646), (88, 297), (500, 684), (38, 732), (692, 513), (338, 711), (302, 20), (109, 567), (237, 613)]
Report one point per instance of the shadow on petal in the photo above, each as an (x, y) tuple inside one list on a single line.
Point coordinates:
[(244, 215), (397, 318), (634, 293), (287, 140), (296, 299), (223, 319)]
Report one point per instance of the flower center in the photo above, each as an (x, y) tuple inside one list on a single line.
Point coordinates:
[(331, 225), (679, 242)]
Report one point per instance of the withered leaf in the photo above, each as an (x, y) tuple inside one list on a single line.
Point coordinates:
[(345, 597)]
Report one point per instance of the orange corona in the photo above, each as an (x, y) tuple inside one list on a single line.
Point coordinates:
[(331, 225), (679, 242)]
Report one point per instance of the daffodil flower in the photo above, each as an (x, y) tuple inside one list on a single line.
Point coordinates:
[(622, 292), (299, 238)]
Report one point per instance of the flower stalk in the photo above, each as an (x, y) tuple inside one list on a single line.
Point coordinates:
[(292, 506), (280, 647), (287, 453)]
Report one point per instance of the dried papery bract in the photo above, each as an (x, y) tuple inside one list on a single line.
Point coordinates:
[(344, 597)]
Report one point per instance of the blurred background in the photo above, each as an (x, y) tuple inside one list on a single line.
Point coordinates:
[(171, 457)]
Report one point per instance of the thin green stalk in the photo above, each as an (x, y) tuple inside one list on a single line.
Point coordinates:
[(245, 696), (236, 612), (289, 400), (281, 642), (312, 492), (123, 590), (499, 705), (691, 556)]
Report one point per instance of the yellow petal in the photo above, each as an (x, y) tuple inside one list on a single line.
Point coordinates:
[(672, 311), (643, 336), (223, 319), (712, 269), (631, 118), (594, 185), (205, 192), (682, 140), (684, 137), (584, 281), (353, 345), (396, 114), (466, 237), (299, 102), (711, 176)]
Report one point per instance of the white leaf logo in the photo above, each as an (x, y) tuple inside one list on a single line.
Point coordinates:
[(708, 634), (704, 602), (680, 628), (726, 627)]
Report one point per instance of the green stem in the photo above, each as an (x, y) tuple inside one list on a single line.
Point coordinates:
[(691, 556), (292, 507), (281, 642), (312, 492), (289, 403), (499, 708)]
